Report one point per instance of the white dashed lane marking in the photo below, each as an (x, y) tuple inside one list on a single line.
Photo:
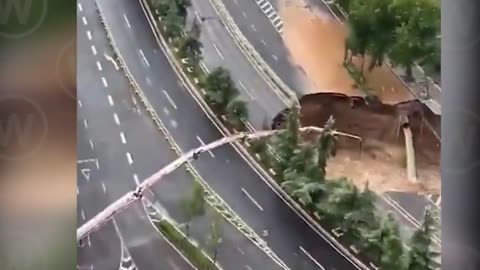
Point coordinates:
[(104, 188), (170, 100), (104, 81), (91, 144), (94, 50), (122, 137), (252, 199), (115, 117), (129, 158), (110, 100), (99, 66), (253, 28), (80, 8), (144, 58), (311, 258), (202, 143), (85, 123), (126, 21), (84, 20), (218, 51), (89, 35), (135, 178)]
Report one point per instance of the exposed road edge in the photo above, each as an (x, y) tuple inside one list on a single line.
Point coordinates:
[(244, 153)]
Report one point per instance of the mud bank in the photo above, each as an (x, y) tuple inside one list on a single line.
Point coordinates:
[(316, 43)]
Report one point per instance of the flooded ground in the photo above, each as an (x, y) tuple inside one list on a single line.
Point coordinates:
[(316, 43)]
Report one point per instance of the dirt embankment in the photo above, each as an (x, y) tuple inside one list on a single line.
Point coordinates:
[(316, 42)]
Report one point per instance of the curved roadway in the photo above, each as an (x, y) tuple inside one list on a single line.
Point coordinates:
[(225, 170)]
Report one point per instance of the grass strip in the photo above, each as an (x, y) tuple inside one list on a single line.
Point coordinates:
[(193, 253)]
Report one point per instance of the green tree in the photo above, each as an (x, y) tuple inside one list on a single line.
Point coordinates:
[(287, 142), (214, 237), (416, 35), (360, 215), (161, 5), (173, 21), (384, 244), (193, 205), (237, 113), (219, 88), (422, 254)]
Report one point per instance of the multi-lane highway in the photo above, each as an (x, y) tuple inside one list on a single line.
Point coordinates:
[(260, 23), (224, 169), (106, 122), (119, 146)]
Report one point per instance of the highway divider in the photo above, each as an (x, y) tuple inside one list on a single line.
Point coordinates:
[(244, 153), (211, 197)]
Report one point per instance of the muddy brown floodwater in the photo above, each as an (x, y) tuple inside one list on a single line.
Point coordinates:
[(316, 43)]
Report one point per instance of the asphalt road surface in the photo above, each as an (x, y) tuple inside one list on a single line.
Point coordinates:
[(118, 135), (254, 18), (105, 119), (226, 172)]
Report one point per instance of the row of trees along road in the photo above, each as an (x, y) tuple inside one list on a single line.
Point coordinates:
[(300, 165), (221, 92), (405, 30)]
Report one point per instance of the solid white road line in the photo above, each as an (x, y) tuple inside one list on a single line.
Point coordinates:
[(169, 99), (115, 117), (135, 178), (85, 123), (110, 100), (104, 81), (84, 20), (218, 51), (144, 58), (202, 143), (89, 35), (253, 28), (104, 188), (311, 258), (252, 199), (94, 50), (126, 21), (91, 144), (80, 8), (122, 137), (129, 158), (99, 66)]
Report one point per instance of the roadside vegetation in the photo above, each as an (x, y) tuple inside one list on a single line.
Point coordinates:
[(219, 90), (404, 30), (337, 204), (299, 162)]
